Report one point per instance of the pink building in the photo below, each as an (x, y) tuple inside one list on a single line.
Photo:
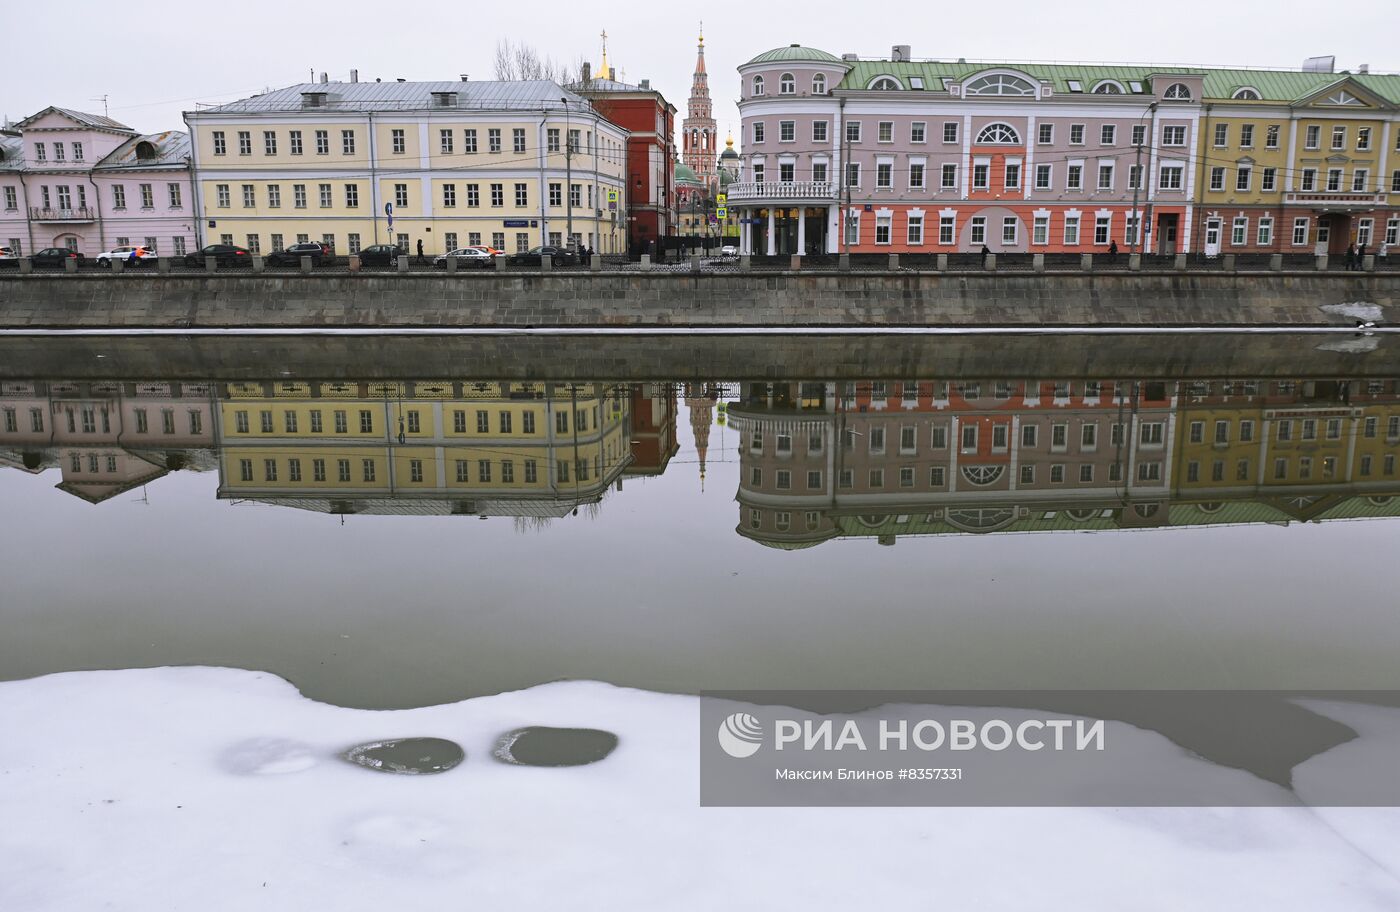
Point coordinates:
[(89, 183)]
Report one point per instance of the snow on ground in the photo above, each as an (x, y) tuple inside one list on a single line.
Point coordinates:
[(216, 789)]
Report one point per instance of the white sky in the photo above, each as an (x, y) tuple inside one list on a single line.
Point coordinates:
[(154, 63)]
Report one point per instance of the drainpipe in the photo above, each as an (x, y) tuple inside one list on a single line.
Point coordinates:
[(373, 178), (28, 215), (196, 186), (97, 197), (1201, 188)]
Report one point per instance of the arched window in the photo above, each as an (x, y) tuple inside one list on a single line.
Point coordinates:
[(758, 85), (1246, 94), (819, 84), (1177, 91), (787, 85), (998, 134), (1145, 511), (999, 84), (885, 84), (145, 151), (1109, 87), (984, 519), (982, 474)]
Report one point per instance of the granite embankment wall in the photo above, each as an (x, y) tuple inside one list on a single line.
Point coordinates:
[(895, 299)]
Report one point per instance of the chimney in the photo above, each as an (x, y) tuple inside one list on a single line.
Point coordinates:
[(325, 79), (646, 84), (354, 75), (1363, 69), (900, 53), (612, 73), (586, 74), (464, 77)]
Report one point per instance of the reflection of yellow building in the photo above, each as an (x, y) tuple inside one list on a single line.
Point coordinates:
[(457, 163), (427, 446)]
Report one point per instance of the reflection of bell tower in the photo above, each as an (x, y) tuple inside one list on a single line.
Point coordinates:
[(701, 398)]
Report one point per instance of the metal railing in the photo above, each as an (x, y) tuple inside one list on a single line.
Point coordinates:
[(774, 190), (57, 214)]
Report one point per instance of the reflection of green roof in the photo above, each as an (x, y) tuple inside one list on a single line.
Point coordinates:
[(1273, 85), (686, 174), (794, 52)]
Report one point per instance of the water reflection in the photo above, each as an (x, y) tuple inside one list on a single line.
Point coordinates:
[(817, 459)]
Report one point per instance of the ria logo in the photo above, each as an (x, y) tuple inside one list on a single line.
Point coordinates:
[(741, 735)]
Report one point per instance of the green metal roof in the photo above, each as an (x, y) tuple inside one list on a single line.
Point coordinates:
[(794, 52), (686, 173), (1280, 86)]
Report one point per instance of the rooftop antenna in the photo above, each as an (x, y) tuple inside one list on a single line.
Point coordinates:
[(103, 99)]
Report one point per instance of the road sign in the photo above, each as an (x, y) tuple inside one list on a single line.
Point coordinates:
[(612, 199), (722, 199), (722, 212), (389, 212)]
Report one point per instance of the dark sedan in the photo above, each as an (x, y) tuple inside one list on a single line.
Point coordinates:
[(291, 256), (225, 254), (55, 257), (559, 256), (380, 255)]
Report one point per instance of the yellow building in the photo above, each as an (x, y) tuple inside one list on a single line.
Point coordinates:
[(532, 449), (508, 164), (1298, 162)]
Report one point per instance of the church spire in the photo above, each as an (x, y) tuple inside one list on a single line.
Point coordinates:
[(603, 67)]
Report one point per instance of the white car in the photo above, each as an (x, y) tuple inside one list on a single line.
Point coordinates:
[(124, 254), (466, 257), (7, 253), (729, 250)]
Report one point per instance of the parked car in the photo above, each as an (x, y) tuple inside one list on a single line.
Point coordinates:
[(291, 256), (56, 256), (105, 258), (8, 260), (559, 256), (226, 254), (380, 255), (488, 250), (729, 250), (467, 258)]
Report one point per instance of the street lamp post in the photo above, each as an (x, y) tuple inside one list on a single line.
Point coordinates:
[(1137, 185), (568, 173)]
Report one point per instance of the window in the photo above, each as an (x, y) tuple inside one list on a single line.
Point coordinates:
[(118, 195), (853, 174), (1135, 177), (949, 178), (1222, 135), (853, 131), (917, 131), (1271, 136), (249, 197), (950, 131), (1173, 135), (819, 128), (1246, 136), (1076, 134), (1217, 179), (1312, 137), (1108, 134), (819, 84), (274, 196), (884, 175), (1265, 234), (1074, 177), (220, 145), (1105, 177), (1177, 91), (979, 229), (222, 194), (245, 142), (1139, 134), (1013, 176), (518, 140), (1071, 230), (1242, 175), (1339, 138), (1044, 174), (787, 131), (1041, 230), (493, 140), (1268, 180), (946, 229), (758, 85), (1009, 229), (1358, 180), (352, 195), (981, 174), (884, 131), (999, 84), (1103, 225), (1045, 134), (758, 131), (998, 134), (1309, 181), (915, 230), (498, 195), (882, 229), (916, 175), (1363, 139), (1334, 179)]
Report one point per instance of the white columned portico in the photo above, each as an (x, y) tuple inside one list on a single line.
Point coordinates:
[(771, 248)]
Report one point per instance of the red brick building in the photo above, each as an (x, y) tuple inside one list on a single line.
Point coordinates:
[(651, 152)]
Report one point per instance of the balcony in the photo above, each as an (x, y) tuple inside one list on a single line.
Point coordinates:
[(46, 214), (781, 192), (1334, 199)]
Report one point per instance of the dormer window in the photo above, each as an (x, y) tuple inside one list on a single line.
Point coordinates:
[(787, 85), (1177, 91), (1245, 94), (1108, 87), (313, 99), (885, 84), (145, 151), (444, 99), (999, 84)]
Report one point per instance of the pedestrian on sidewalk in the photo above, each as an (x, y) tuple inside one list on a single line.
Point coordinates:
[(1351, 257), (1360, 257), (1112, 250), (986, 251), (420, 251)]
